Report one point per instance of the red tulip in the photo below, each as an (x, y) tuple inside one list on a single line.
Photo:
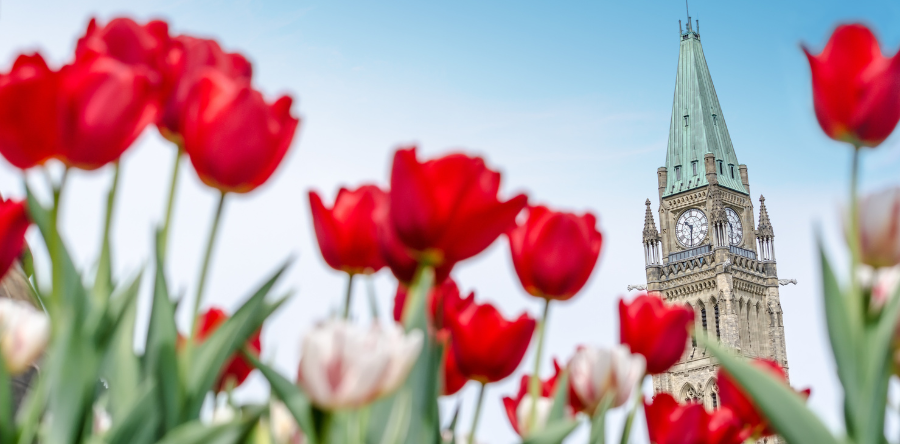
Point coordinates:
[(105, 105), (554, 253), (724, 427), (655, 330), (234, 138), (189, 58), (13, 224), (29, 131), (237, 369), (488, 347), (734, 397), (446, 210), (855, 87), (145, 47), (444, 303), (347, 232), (453, 380), (519, 408), (669, 422), (399, 258)]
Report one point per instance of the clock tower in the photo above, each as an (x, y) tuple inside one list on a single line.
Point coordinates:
[(708, 253)]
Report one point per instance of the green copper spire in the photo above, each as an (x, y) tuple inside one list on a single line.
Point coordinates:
[(698, 125)]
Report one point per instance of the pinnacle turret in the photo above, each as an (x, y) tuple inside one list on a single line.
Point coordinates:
[(650, 231), (764, 230)]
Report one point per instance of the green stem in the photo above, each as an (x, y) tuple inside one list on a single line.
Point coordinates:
[(477, 413), (56, 240), (171, 204), (853, 238), (348, 295), (629, 421), (205, 269), (103, 280), (534, 384)]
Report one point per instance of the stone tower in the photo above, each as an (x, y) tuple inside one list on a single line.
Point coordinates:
[(708, 254)]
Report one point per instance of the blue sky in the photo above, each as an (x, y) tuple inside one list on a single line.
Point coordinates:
[(570, 100)]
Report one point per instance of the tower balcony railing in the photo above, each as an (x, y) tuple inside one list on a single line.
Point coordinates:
[(698, 251), (742, 252)]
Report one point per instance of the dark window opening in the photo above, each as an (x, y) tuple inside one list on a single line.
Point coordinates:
[(715, 401), (716, 309), (731, 168), (721, 171), (678, 172), (703, 317)]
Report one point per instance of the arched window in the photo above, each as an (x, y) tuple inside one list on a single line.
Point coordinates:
[(703, 317), (749, 331), (715, 401)]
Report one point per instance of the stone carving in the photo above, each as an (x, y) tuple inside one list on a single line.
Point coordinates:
[(640, 287), (784, 282)]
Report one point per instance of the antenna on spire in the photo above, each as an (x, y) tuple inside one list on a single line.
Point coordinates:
[(686, 8)]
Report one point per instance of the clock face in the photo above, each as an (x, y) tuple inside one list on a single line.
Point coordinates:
[(691, 228), (735, 229)]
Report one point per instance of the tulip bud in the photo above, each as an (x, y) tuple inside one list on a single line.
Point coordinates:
[(284, 427), (102, 421), (879, 228), (24, 333), (596, 373), (347, 366), (855, 87)]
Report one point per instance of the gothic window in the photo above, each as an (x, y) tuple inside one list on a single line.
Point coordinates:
[(694, 167), (731, 169), (716, 310), (715, 402), (749, 339), (703, 317), (678, 172)]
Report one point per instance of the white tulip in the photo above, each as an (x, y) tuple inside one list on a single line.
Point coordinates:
[(284, 427), (879, 228), (541, 414), (24, 333), (596, 372), (345, 366)]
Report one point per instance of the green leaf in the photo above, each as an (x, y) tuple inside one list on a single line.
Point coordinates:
[(598, 422), (560, 398), (195, 432), (873, 393), (423, 380), (397, 427), (844, 331), (290, 394), (72, 369), (103, 281), (7, 426), (73, 296), (554, 433), (171, 392), (121, 367), (129, 423), (210, 356), (784, 408)]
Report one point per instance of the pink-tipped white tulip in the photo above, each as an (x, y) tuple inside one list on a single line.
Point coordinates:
[(879, 228), (345, 366), (598, 372), (24, 333)]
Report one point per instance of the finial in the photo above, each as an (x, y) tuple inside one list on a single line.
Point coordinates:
[(686, 8), (762, 198), (647, 203)]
